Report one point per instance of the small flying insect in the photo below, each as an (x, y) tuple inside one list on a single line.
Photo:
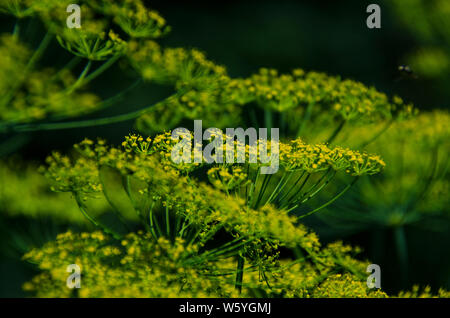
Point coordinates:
[(405, 72)]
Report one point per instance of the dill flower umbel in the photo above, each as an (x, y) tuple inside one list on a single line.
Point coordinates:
[(293, 99), (173, 203)]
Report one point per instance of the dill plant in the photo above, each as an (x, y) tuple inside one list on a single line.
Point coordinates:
[(193, 230), (214, 223)]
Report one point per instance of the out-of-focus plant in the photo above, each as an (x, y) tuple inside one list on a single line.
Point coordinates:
[(25, 192), (30, 213), (411, 192), (39, 97)]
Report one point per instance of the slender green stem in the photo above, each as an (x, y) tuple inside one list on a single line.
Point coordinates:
[(252, 188), (336, 131), (115, 210), (329, 202), (152, 225), (39, 51), (280, 186), (83, 210), (240, 273), (31, 63), (402, 250), (262, 190), (227, 247), (194, 237), (310, 196), (316, 183), (268, 119), (305, 119), (117, 97), (253, 117), (103, 104), (428, 181), (80, 79), (69, 65), (167, 221), (155, 224), (293, 186), (81, 123), (16, 30), (184, 226), (375, 137), (292, 198), (101, 69)]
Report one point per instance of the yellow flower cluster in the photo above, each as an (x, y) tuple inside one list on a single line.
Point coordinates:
[(35, 94), (294, 155), (417, 292), (138, 267), (141, 267), (297, 155), (80, 177), (152, 176), (134, 18), (159, 181), (95, 40), (24, 192), (345, 286), (172, 65), (211, 104), (296, 96), (137, 144), (227, 178), (287, 92)]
